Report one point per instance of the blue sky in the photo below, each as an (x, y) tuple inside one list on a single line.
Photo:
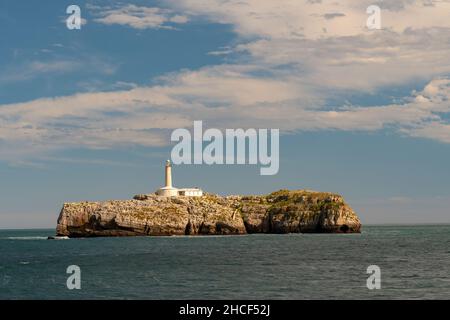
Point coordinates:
[(87, 114)]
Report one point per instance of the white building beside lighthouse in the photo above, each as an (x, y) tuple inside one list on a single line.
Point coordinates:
[(169, 191)]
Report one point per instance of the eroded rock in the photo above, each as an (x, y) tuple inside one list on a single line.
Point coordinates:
[(279, 212)]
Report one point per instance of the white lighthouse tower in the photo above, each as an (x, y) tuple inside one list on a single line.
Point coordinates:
[(169, 191)]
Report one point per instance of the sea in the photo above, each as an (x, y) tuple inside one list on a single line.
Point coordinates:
[(410, 262)]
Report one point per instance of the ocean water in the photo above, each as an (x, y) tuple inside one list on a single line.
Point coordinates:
[(414, 262)]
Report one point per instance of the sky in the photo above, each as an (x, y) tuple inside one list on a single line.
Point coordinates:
[(88, 114)]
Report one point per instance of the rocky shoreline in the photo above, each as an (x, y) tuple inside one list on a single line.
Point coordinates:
[(280, 212)]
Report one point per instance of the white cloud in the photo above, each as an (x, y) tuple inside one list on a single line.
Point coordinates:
[(288, 19), (364, 62), (222, 51), (436, 130), (339, 53), (223, 96), (57, 66), (33, 69), (140, 17)]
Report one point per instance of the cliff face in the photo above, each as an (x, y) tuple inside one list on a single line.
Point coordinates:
[(280, 212)]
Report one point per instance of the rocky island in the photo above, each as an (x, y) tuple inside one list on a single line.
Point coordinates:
[(284, 211)]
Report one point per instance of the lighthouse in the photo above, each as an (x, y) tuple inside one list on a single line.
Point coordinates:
[(168, 174), (169, 191)]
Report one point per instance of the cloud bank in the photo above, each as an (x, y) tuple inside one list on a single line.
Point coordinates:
[(291, 59)]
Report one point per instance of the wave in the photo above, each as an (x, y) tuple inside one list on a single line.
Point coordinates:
[(25, 238)]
